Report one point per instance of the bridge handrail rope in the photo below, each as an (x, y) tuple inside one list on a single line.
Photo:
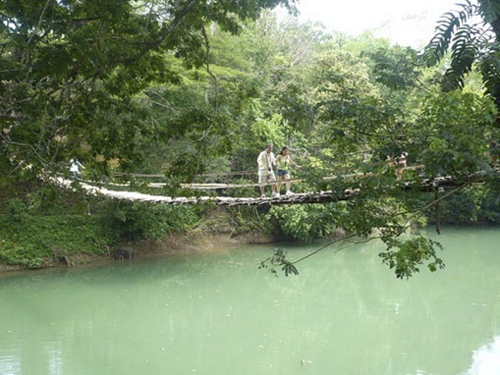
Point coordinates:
[(244, 172), (220, 186), (230, 173), (303, 154), (241, 173)]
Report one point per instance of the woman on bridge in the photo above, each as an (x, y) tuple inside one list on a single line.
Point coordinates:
[(284, 160)]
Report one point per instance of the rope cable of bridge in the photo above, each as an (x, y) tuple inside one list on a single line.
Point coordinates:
[(303, 154)]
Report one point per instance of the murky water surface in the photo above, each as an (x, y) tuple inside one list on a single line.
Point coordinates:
[(219, 314)]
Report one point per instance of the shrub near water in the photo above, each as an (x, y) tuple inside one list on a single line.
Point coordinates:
[(305, 222), (28, 240), (133, 221)]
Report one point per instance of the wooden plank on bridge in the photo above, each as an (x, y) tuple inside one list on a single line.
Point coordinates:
[(298, 198)]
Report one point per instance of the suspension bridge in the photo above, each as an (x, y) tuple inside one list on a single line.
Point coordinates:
[(110, 191)]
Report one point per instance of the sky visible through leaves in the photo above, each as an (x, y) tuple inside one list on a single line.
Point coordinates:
[(404, 22)]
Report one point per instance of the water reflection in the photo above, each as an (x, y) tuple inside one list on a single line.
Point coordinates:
[(486, 360)]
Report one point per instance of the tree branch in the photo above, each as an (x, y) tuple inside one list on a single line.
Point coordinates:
[(214, 77), (331, 243), (37, 27), (165, 33)]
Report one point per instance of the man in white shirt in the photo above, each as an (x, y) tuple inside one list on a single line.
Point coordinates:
[(266, 162)]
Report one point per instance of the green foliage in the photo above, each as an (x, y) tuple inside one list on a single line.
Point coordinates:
[(490, 208), (25, 255), (410, 254), (268, 131), (136, 221), (452, 134), (463, 207), (70, 72), (251, 220), (446, 28), (305, 222), (474, 204), (279, 260), (395, 67), (469, 42), (29, 240), (183, 89), (16, 208)]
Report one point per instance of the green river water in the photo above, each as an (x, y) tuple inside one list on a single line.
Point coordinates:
[(217, 313)]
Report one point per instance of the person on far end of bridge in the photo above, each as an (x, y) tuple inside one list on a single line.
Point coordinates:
[(400, 163), (266, 161), (74, 168), (284, 160)]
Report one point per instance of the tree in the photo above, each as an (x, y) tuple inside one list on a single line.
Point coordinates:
[(469, 43), (69, 72), (394, 67), (359, 109), (165, 87)]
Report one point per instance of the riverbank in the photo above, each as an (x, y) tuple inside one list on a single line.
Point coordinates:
[(174, 244), (71, 237)]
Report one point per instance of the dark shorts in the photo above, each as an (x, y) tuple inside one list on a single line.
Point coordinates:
[(282, 172)]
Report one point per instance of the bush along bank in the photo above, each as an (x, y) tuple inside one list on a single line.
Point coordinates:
[(74, 230)]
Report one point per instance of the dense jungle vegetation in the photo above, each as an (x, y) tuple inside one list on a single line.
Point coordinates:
[(194, 89)]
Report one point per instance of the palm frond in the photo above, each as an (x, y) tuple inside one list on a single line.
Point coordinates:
[(489, 65), (465, 49), (445, 29)]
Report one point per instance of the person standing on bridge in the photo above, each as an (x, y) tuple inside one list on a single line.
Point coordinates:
[(74, 168), (266, 161), (284, 160), (399, 162)]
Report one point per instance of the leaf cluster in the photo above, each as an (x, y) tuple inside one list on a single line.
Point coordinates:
[(279, 260), (468, 43), (409, 254)]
